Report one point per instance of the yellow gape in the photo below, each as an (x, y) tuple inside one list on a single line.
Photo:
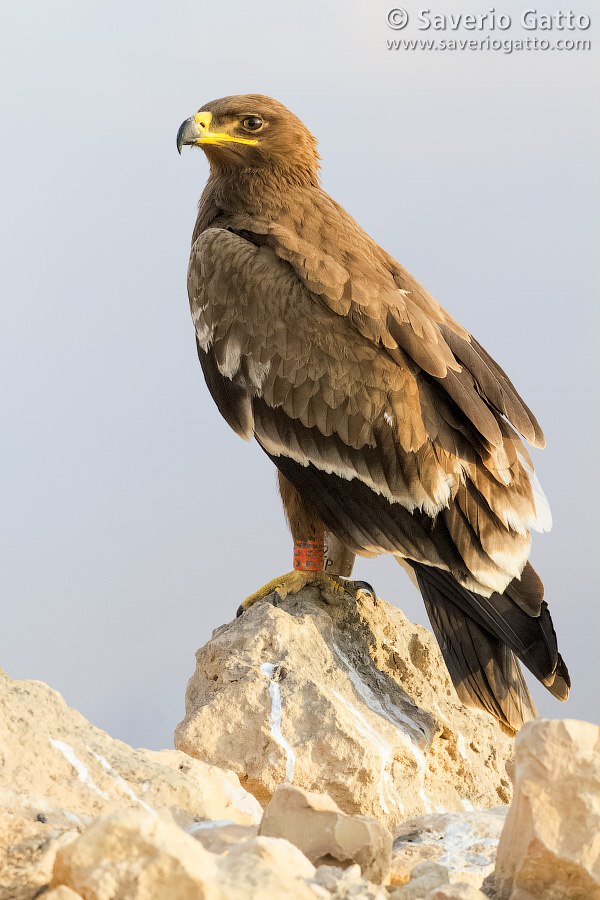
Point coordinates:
[(203, 120)]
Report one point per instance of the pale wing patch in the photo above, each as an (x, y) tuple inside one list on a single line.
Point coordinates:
[(257, 372), (204, 332), (543, 518), (233, 356), (513, 563), (420, 501)]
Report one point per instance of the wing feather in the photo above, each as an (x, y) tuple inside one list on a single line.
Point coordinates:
[(380, 393), (388, 306)]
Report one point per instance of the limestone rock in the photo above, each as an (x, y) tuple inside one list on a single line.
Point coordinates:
[(57, 760), (218, 837), (406, 858), (550, 846), (28, 847), (464, 843), (268, 868), (345, 884), (316, 825), (62, 893), (206, 792), (456, 892), (136, 855), (346, 698), (424, 878), (58, 772)]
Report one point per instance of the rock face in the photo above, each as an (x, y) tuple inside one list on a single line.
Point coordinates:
[(425, 877), (465, 844), (550, 847), (345, 698), (62, 893), (58, 772), (336, 695), (326, 835), (456, 892), (429, 881), (137, 854)]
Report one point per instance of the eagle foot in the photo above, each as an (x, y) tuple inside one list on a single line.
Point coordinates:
[(280, 588)]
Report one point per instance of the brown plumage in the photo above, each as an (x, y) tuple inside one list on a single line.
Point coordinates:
[(390, 425)]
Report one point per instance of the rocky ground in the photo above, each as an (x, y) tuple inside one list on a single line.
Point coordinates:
[(323, 755)]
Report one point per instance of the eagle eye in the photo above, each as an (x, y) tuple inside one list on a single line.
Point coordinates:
[(252, 123)]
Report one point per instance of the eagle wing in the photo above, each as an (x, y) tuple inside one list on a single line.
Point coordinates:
[(402, 424)]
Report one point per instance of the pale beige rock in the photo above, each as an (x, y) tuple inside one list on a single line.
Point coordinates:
[(220, 838), (317, 826), (268, 868), (28, 847), (464, 843), (550, 846), (456, 892), (135, 855), (215, 792), (62, 893), (345, 884), (407, 858), (424, 878), (56, 759), (58, 772), (343, 697)]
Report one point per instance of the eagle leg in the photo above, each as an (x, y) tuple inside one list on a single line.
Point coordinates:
[(310, 556), (308, 529)]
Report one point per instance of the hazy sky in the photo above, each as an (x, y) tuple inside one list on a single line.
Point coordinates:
[(134, 520)]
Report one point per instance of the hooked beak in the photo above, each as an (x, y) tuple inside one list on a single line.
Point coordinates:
[(196, 131), (189, 133)]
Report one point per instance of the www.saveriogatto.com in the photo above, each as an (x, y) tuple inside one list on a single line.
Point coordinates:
[(489, 30)]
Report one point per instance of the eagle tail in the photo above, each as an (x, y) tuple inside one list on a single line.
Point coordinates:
[(481, 638)]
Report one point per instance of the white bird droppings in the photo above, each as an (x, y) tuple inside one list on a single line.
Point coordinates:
[(275, 720), (209, 823), (389, 711), (82, 772), (445, 718), (459, 838), (122, 783), (387, 791), (392, 714)]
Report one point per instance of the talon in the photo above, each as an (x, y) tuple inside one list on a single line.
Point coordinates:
[(364, 589), (280, 588)]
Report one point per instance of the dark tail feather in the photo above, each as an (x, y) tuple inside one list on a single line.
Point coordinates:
[(561, 683), (480, 638), (485, 673), (528, 593)]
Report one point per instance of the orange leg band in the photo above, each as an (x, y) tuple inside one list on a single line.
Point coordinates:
[(309, 555)]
